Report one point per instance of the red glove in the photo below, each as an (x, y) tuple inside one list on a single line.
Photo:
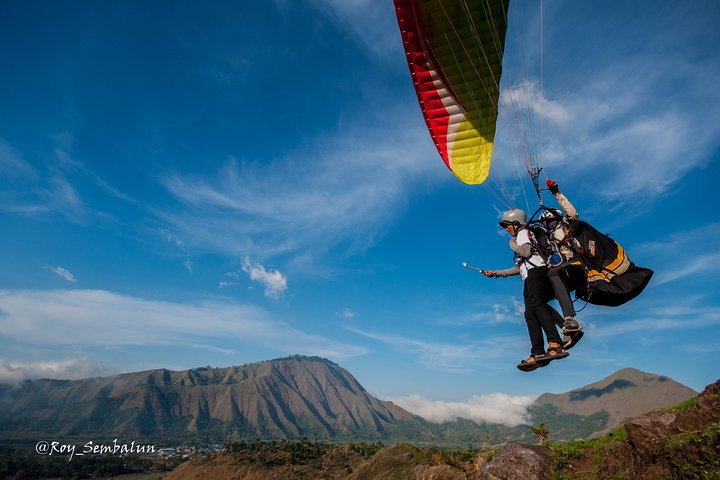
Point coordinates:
[(552, 186)]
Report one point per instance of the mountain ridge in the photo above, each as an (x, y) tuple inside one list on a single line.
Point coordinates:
[(286, 398), (281, 398), (625, 394)]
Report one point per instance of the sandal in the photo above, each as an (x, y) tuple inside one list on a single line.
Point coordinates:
[(556, 353), (570, 325), (533, 362), (572, 339)]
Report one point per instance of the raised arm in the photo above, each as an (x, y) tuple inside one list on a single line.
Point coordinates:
[(562, 200)]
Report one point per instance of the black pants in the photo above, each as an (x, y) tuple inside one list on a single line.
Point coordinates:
[(537, 291), (565, 278)]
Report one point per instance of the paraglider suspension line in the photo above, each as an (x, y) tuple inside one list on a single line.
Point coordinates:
[(535, 177)]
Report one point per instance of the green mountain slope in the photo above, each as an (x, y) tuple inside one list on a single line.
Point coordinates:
[(598, 407)]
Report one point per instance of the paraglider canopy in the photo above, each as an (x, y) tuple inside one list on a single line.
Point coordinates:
[(454, 49)]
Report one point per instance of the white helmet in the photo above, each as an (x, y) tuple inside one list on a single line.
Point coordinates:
[(513, 217)]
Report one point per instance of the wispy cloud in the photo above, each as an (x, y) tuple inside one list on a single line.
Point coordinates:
[(341, 192), (691, 266), (63, 273), (709, 347), (528, 91), (274, 281), (172, 239), (51, 188), (446, 357), (636, 124), (486, 309), (497, 313), (661, 318), (672, 266), (682, 239), (367, 21), (637, 139), (42, 192), (12, 163), (491, 408), (67, 369), (101, 318), (61, 196)]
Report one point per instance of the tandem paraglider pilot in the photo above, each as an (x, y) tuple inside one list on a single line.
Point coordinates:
[(537, 292)]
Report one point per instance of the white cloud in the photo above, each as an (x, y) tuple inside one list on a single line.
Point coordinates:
[(188, 265), (274, 281), (518, 307), (501, 313), (63, 273), (487, 314), (347, 313), (68, 369), (490, 408), (527, 92), (101, 318), (339, 193)]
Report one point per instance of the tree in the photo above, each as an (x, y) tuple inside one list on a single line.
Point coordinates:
[(542, 432)]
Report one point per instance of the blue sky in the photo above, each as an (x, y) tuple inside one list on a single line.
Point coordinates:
[(186, 185)]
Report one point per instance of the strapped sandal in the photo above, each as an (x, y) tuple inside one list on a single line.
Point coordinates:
[(556, 353), (572, 339), (538, 361), (570, 325)]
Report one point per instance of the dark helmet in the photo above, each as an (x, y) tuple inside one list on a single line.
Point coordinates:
[(513, 217)]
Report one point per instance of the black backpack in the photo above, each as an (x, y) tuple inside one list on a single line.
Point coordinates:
[(543, 245)]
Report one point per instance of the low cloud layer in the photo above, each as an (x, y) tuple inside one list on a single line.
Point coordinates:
[(68, 369), (491, 408)]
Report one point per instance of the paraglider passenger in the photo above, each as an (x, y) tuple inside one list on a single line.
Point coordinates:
[(537, 291), (570, 274)]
